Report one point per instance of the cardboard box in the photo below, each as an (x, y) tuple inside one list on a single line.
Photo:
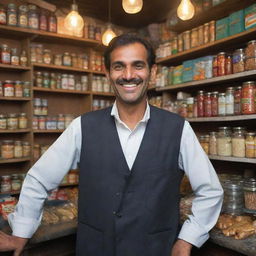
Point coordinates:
[(222, 28), (250, 16), (187, 74), (236, 22)]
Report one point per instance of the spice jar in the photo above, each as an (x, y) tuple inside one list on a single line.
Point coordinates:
[(221, 59), (200, 103), (201, 35), (23, 121), (26, 89), (207, 105), (206, 33), (8, 88), (23, 58), (67, 59), (238, 142), (7, 149), (17, 149), (2, 15), (212, 31), (39, 79), (12, 15), (224, 147), (6, 185), (238, 61), (237, 100), (3, 122), (26, 149), (230, 101), (23, 16), (186, 40), (33, 17), (215, 66), (248, 98), (214, 103), (18, 89), (213, 143), (228, 65), (190, 103), (58, 59), (5, 54), (250, 194), (46, 80), (222, 104), (52, 25), (250, 55), (15, 182), (249, 145), (12, 121), (15, 59), (194, 37), (47, 56), (43, 20)]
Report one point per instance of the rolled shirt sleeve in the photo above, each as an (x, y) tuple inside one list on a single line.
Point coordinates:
[(207, 189)]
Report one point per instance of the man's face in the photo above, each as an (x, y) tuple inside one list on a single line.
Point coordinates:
[(129, 73)]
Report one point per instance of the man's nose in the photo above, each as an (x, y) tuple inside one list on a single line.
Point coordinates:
[(128, 73)]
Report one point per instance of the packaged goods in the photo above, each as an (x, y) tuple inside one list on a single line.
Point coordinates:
[(250, 194), (187, 74), (177, 74), (238, 142), (250, 16), (222, 28), (208, 61), (199, 69), (236, 22)]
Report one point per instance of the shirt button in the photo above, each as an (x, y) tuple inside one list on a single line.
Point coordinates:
[(117, 194)]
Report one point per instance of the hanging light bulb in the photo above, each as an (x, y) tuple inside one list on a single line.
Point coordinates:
[(73, 21), (132, 6), (108, 35), (186, 10)]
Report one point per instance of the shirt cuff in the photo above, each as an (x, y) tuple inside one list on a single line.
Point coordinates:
[(193, 234), (23, 227)]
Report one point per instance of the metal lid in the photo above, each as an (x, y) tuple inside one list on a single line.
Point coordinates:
[(252, 42), (250, 134), (222, 94), (250, 184)]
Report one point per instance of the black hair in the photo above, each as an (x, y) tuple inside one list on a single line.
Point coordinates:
[(126, 39)]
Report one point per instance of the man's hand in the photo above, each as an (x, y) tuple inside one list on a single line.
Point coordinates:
[(12, 243), (181, 248)]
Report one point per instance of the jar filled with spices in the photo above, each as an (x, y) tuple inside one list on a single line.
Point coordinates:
[(238, 142), (212, 31), (33, 17), (47, 56), (194, 37), (237, 100), (5, 54), (18, 88), (224, 147), (213, 143), (6, 185), (221, 59), (222, 104), (7, 149), (214, 103), (26, 89), (250, 55), (58, 59), (249, 145), (207, 105), (190, 103), (200, 103), (229, 65), (250, 194), (43, 20), (204, 141), (206, 33), (12, 15), (23, 121), (15, 59), (46, 80), (64, 81), (67, 61), (200, 35), (3, 122), (23, 58), (215, 66), (39, 79), (26, 149), (2, 15), (8, 88), (238, 61), (23, 16), (186, 40), (248, 98), (52, 24), (12, 121), (230, 101), (17, 149), (16, 182)]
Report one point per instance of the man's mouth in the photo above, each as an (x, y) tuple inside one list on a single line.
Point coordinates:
[(132, 83), (129, 85)]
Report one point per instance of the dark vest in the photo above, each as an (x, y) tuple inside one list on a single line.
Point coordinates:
[(126, 212)]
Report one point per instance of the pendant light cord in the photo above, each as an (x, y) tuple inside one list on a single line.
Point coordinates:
[(109, 11)]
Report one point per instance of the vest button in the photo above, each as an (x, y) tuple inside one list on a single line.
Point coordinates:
[(117, 214), (117, 194)]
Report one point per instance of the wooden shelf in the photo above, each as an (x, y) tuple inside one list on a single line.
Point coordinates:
[(209, 48), (10, 193), (56, 67), (233, 159), (97, 72), (15, 131), (14, 68), (14, 160), (212, 81), (41, 89), (16, 98), (48, 131), (110, 94), (222, 118), (68, 185)]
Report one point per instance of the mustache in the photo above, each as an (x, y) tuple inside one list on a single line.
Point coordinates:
[(122, 81)]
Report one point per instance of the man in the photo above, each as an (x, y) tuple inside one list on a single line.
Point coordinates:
[(130, 156)]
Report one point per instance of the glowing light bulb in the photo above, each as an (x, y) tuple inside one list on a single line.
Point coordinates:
[(73, 21), (186, 10), (108, 35), (132, 6)]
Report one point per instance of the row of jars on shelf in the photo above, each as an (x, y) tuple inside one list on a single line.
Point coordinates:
[(101, 103), (11, 183), (10, 88), (12, 56), (13, 121), (40, 107), (59, 122), (14, 149), (60, 81), (101, 84), (189, 39), (238, 143), (28, 16)]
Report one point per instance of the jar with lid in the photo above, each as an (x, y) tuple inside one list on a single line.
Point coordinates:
[(237, 100), (23, 58), (248, 98), (238, 142), (46, 80), (12, 121), (5, 54), (16, 182), (35, 123), (26, 149), (222, 104), (249, 145), (26, 89), (183, 110), (215, 66), (6, 185), (18, 88), (190, 103), (2, 15), (230, 101), (41, 123), (233, 197), (23, 121), (39, 79), (250, 194), (12, 15), (23, 16), (44, 109), (194, 37), (58, 59), (200, 103), (250, 50), (8, 88), (15, 59), (47, 56), (52, 24), (7, 149), (224, 147), (74, 60), (3, 122), (180, 43), (39, 53), (250, 63), (43, 20), (206, 33), (204, 141), (64, 81), (228, 65), (17, 149), (85, 62), (58, 81), (213, 143), (207, 105), (33, 17), (174, 45), (221, 59), (67, 59), (201, 35), (214, 103), (71, 82), (238, 61), (186, 40), (53, 81), (61, 122), (212, 31)]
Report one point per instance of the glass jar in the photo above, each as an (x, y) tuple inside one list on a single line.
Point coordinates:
[(206, 33), (23, 58), (248, 98), (6, 185), (71, 82), (26, 89), (250, 63), (23, 16), (12, 15), (15, 182), (39, 53), (61, 122), (250, 194), (15, 59), (213, 143), (35, 123), (39, 79), (250, 50), (200, 103), (222, 104), (224, 147), (18, 88), (238, 142), (212, 31), (229, 65), (183, 109), (23, 121), (180, 43), (46, 80), (26, 149), (52, 23), (53, 81), (221, 59), (58, 59), (207, 105), (238, 61), (190, 104), (67, 59), (17, 149), (43, 20), (47, 56), (41, 123), (214, 103), (74, 60), (230, 101), (237, 100), (249, 145), (3, 122), (204, 142), (215, 66), (2, 16), (201, 35), (186, 40), (33, 17), (8, 88), (5, 54), (7, 149), (12, 121), (64, 81), (174, 47)]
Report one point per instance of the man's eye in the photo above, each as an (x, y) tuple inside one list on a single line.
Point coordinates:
[(139, 66), (117, 67)]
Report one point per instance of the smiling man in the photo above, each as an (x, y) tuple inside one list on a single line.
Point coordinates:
[(132, 157)]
